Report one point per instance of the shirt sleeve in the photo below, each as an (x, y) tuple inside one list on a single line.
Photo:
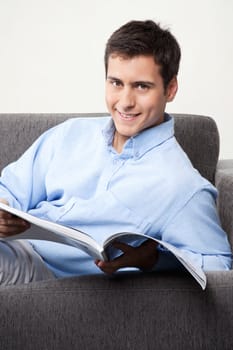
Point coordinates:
[(197, 230), (22, 182)]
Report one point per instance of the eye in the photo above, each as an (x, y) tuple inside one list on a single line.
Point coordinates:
[(115, 82), (142, 86)]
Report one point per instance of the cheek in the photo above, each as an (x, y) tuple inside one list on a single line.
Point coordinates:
[(148, 104), (107, 98), (153, 104), (110, 99), (108, 102)]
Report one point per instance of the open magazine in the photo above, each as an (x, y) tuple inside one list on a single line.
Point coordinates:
[(44, 229)]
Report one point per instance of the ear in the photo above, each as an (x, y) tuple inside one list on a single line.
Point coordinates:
[(172, 89)]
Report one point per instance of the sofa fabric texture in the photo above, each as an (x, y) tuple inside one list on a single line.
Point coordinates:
[(130, 310)]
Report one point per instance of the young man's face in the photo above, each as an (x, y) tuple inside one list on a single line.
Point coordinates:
[(135, 94)]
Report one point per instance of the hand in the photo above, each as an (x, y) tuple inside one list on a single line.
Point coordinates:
[(9, 224), (143, 257)]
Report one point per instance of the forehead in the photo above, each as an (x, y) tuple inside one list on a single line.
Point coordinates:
[(138, 67)]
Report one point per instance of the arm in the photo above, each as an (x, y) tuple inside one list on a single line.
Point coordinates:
[(22, 183), (224, 183), (197, 230)]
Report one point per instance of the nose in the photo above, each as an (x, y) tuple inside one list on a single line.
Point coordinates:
[(127, 99)]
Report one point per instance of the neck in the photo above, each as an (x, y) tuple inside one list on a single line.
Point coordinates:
[(119, 141)]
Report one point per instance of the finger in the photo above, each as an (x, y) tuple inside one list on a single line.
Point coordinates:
[(106, 266), (125, 248), (114, 265), (13, 222), (12, 227), (4, 214)]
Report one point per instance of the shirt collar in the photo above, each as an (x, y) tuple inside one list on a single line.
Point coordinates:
[(141, 143)]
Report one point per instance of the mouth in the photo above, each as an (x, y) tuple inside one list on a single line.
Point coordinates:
[(128, 116)]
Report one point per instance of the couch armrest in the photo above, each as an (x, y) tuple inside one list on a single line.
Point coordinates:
[(225, 165), (224, 184)]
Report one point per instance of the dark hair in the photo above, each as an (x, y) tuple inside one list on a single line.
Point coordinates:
[(146, 38)]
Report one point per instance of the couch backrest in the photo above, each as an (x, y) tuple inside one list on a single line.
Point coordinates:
[(198, 135)]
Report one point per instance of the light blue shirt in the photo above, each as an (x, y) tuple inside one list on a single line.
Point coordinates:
[(72, 175)]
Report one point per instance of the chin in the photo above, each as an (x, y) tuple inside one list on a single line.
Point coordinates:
[(126, 133)]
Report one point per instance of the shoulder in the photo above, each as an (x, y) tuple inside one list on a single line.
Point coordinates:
[(84, 123), (75, 128), (179, 173)]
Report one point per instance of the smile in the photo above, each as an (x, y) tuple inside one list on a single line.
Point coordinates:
[(128, 116)]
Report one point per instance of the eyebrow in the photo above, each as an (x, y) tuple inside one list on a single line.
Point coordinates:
[(113, 78), (138, 82), (144, 82)]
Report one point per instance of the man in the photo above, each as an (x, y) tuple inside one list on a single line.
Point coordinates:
[(120, 173)]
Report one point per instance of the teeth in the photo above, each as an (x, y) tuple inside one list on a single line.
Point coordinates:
[(128, 115)]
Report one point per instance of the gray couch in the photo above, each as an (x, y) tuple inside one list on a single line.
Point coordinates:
[(136, 311)]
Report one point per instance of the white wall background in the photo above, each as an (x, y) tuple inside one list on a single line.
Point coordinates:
[(51, 55)]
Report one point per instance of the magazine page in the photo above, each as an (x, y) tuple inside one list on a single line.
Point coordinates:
[(43, 229), (48, 230), (127, 237), (195, 271)]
